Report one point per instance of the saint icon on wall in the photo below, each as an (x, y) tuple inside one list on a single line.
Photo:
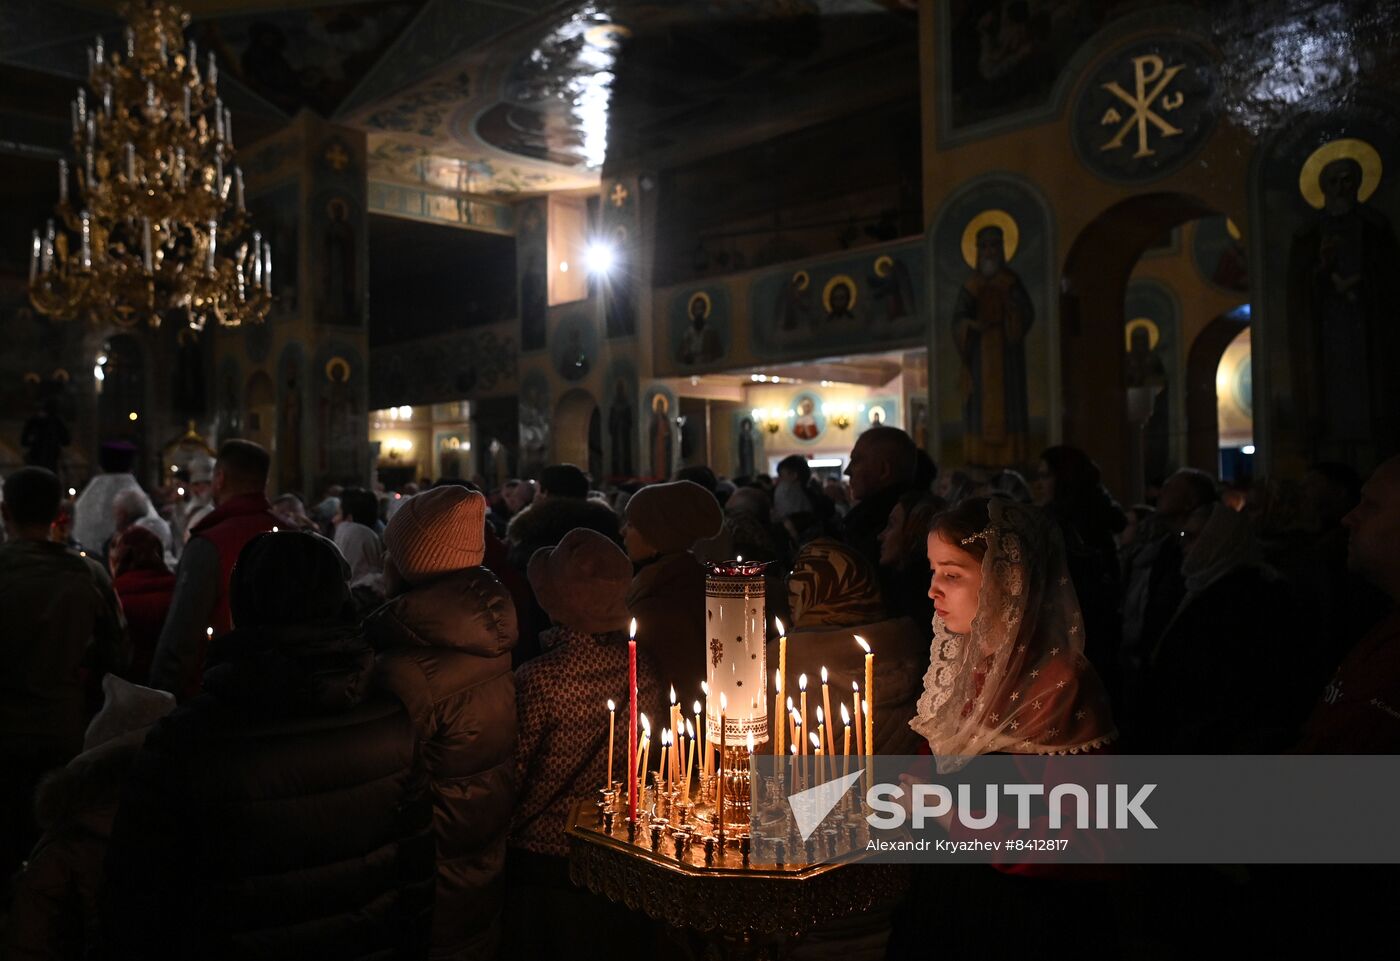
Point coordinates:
[(620, 430), (794, 303), (892, 289), (839, 298), (1342, 268), (804, 425), (700, 343), (990, 322), (746, 447), (339, 276), (659, 434)]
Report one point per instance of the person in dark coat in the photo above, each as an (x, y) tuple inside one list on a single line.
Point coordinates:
[(282, 812), (1232, 673), (145, 587), (59, 622), (667, 596), (444, 639), (1069, 488), (54, 915), (882, 467)]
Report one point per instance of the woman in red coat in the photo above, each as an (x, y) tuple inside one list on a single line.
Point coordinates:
[(145, 587)]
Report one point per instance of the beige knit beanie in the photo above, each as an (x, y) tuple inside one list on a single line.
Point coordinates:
[(437, 531)]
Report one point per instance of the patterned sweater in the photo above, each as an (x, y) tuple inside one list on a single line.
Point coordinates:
[(562, 747)]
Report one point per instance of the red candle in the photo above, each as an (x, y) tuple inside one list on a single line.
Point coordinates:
[(632, 726)]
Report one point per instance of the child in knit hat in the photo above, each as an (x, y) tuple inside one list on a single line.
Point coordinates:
[(562, 748)]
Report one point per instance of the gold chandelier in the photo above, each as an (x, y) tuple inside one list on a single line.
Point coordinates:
[(158, 221)]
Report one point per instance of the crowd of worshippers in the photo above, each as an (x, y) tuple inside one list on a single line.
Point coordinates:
[(246, 729)]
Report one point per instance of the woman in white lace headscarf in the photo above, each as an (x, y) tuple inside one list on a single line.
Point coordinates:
[(1007, 671)]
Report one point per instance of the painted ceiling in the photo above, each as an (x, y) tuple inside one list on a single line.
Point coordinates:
[(514, 98)]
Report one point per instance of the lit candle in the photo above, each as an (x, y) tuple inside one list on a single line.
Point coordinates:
[(228, 127), (267, 268), (646, 748), (782, 674), (723, 743), (777, 717), (707, 767), (218, 120), (612, 724), (818, 769), (671, 773), (238, 189), (211, 72), (632, 712), (792, 728), (846, 747), (99, 51), (62, 181), (802, 689), (213, 246), (869, 694), (257, 260), (855, 709), (85, 251), (107, 100), (826, 702), (821, 736), (35, 252), (689, 761), (663, 756)]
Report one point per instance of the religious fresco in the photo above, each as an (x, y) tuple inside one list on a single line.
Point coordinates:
[(748, 444), (338, 239), (291, 424), (463, 171), (699, 327), (536, 409), (661, 434), (425, 109), (532, 268), (277, 212), (341, 406), (306, 58), (881, 411), (622, 418), (621, 226), (1328, 185), (418, 204), (806, 419), (446, 368), (1218, 250), (991, 326), (1001, 61), (1153, 368), (575, 346), (1145, 110), (800, 310)]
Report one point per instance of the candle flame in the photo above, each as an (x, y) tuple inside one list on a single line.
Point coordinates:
[(823, 673), (704, 689), (855, 686), (793, 749), (779, 622), (740, 558), (611, 705), (820, 718), (696, 705), (816, 741), (751, 742), (646, 725), (673, 693), (797, 719), (665, 736), (861, 641), (208, 632), (632, 629), (689, 729), (789, 705), (723, 702), (802, 683), (778, 682), (845, 716)]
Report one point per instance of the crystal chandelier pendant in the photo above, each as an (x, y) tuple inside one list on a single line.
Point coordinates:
[(153, 200)]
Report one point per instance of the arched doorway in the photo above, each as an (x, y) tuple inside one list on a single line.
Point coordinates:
[(574, 419), (1093, 362), (260, 411), (1202, 397)]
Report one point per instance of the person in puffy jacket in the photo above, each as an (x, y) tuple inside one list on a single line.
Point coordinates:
[(444, 639), (282, 812)]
